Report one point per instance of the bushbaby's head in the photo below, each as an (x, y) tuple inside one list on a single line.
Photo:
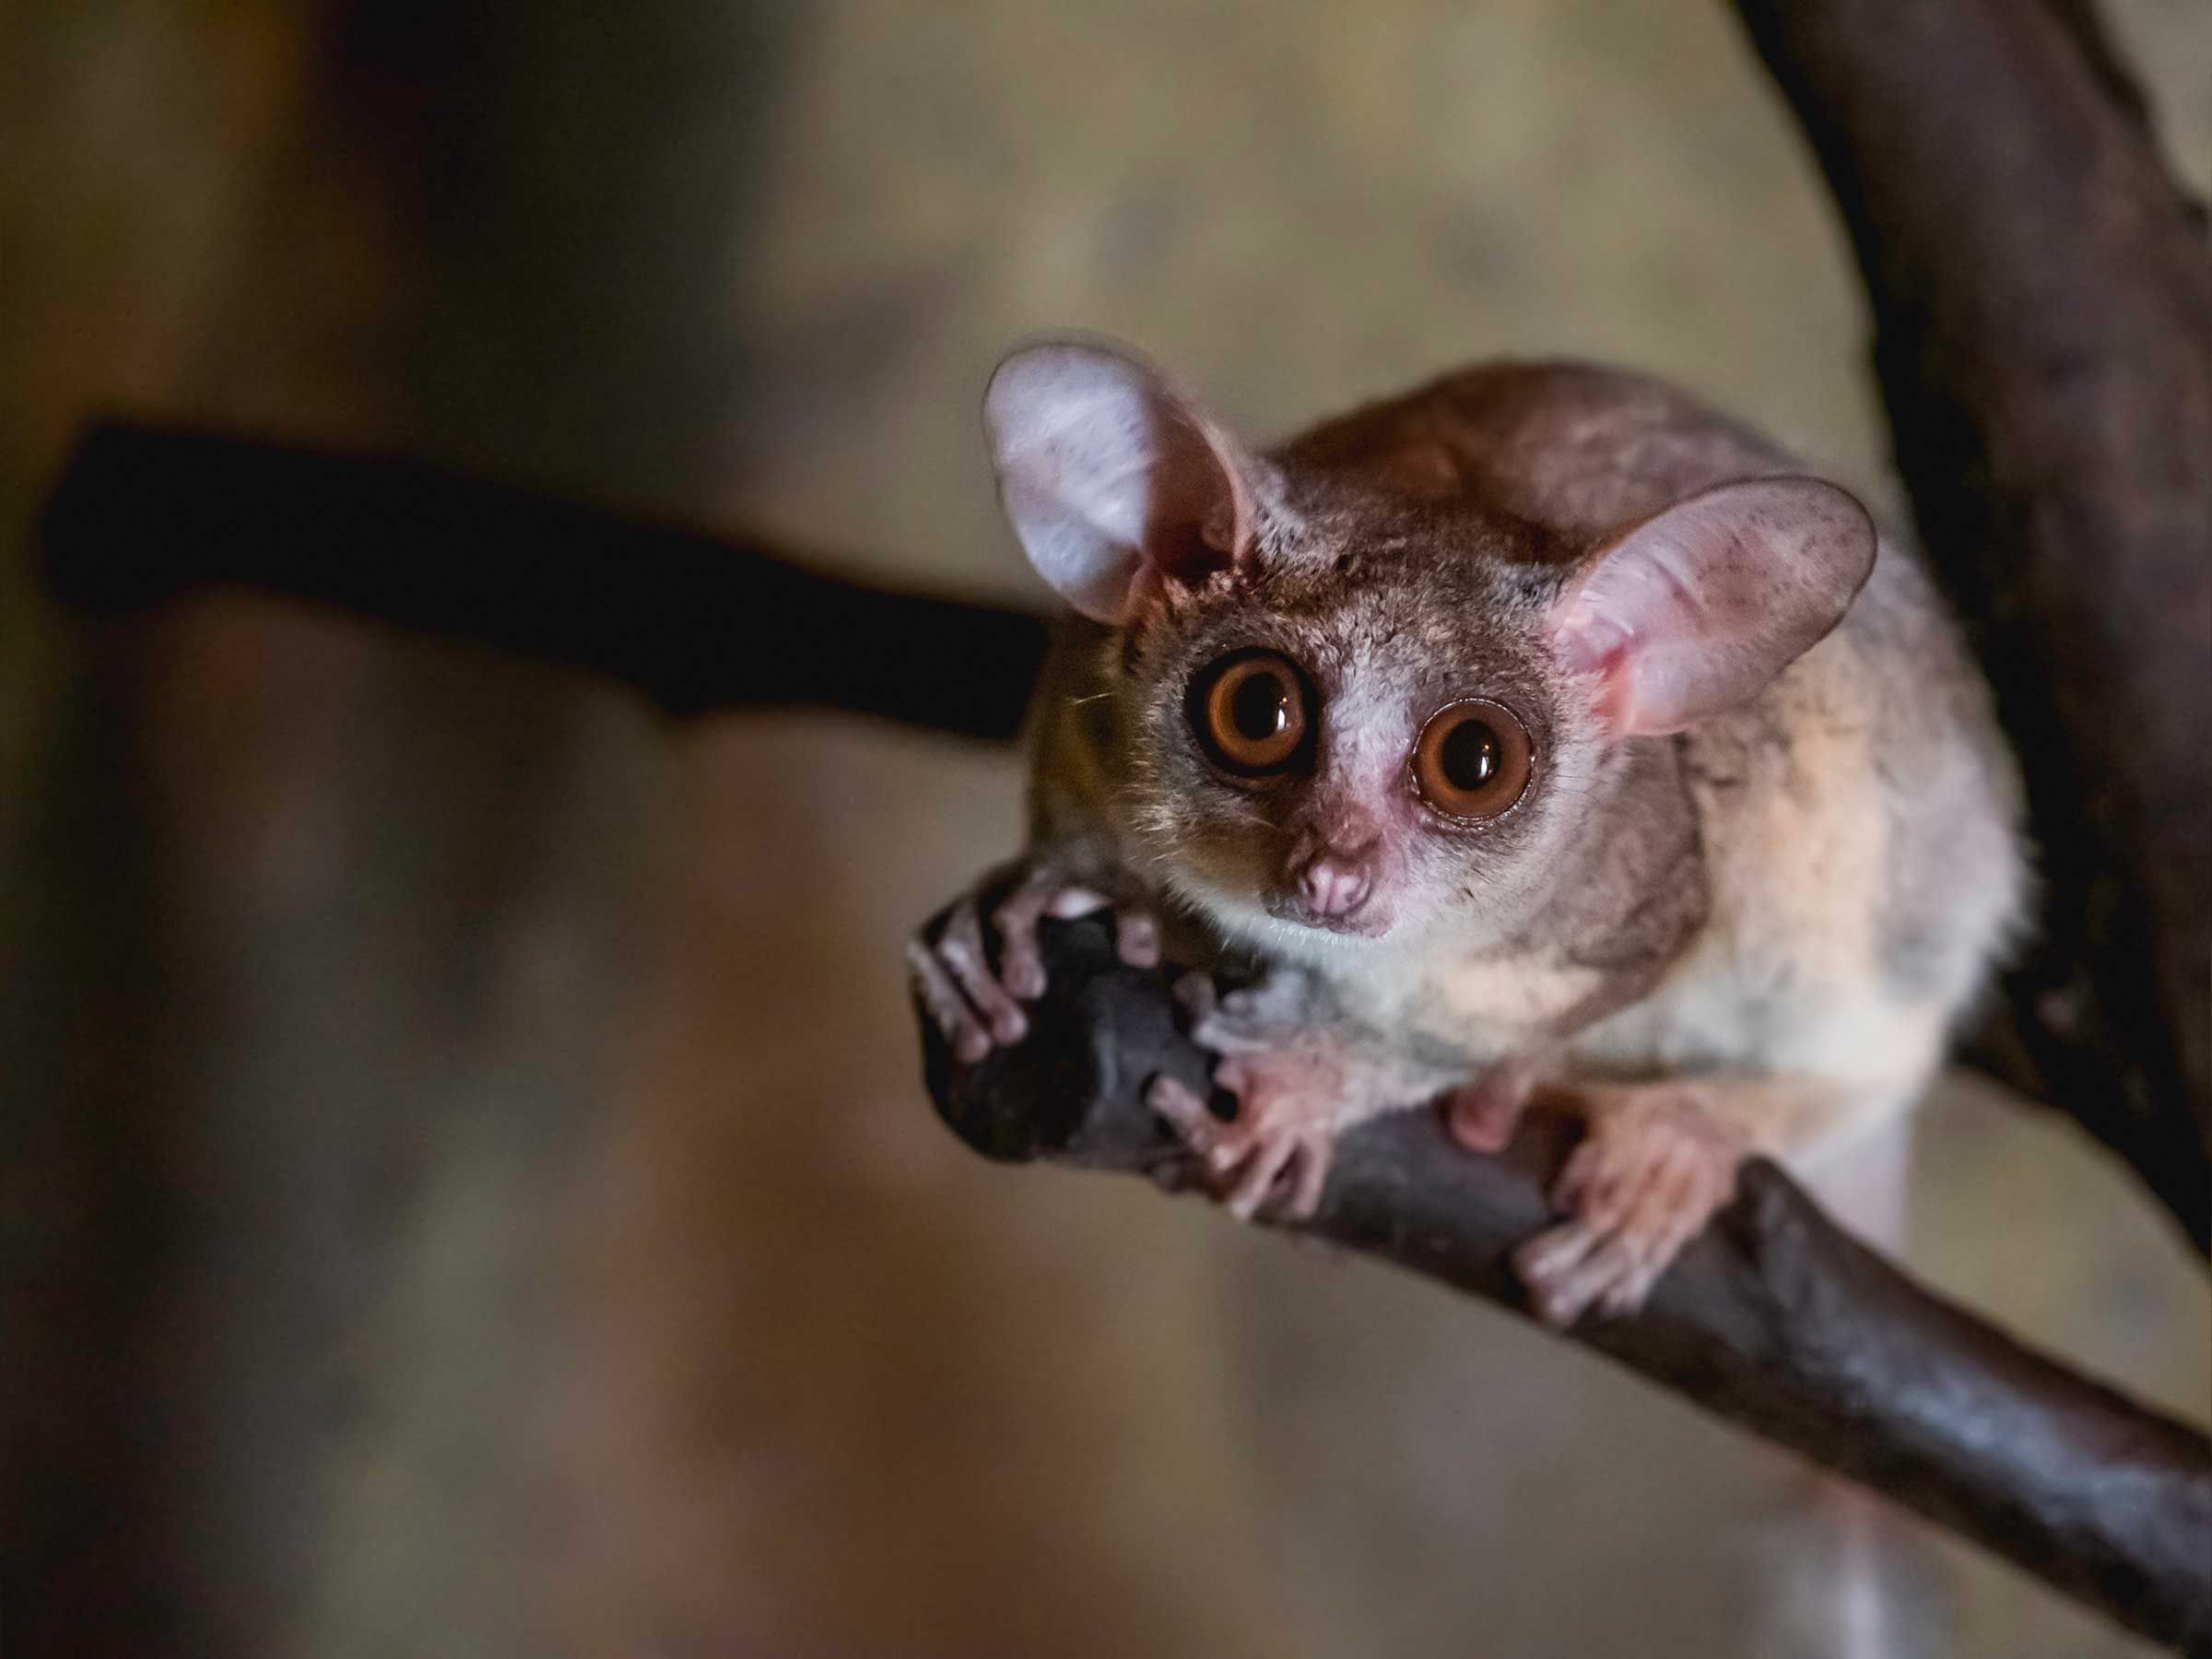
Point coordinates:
[(1360, 705)]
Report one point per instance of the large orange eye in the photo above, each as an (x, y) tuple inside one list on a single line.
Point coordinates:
[(1472, 761), (1250, 711)]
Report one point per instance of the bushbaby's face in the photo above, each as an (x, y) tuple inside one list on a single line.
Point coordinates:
[(1359, 703), (1358, 735)]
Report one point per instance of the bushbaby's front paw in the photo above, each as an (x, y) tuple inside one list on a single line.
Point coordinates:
[(1289, 1084), (1648, 1176), (977, 1009), (1301, 1074), (1272, 1156), (1297, 1080)]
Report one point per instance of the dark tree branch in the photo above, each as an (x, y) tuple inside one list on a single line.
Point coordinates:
[(695, 623), (1773, 1319), (2042, 300)]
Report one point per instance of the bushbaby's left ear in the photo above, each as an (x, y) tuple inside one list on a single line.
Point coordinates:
[(1696, 609), (1118, 486)]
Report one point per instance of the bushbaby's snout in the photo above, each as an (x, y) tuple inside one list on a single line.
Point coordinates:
[(1334, 888)]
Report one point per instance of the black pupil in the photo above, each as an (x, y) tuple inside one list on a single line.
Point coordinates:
[(1469, 757), (1260, 707)]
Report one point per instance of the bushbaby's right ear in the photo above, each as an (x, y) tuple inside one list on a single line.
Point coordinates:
[(1692, 611), (1115, 483)]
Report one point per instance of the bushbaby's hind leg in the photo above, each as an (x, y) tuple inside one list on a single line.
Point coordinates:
[(1657, 1160)]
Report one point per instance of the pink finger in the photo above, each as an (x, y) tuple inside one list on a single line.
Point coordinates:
[(1136, 937), (1627, 1297), (961, 949), (1564, 1296), (947, 1007), (1185, 1114), (1259, 1177), (1553, 1253), (1581, 1167), (1020, 966), (1312, 1179), (1481, 1119)]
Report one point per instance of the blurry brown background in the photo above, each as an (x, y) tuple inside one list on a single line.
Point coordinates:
[(464, 1183)]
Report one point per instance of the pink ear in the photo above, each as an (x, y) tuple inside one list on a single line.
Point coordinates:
[(1695, 610), (1109, 478)]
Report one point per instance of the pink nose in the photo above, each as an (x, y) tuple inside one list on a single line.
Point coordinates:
[(1333, 886)]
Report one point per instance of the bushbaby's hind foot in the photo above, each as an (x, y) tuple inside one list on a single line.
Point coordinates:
[(1651, 1172)]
